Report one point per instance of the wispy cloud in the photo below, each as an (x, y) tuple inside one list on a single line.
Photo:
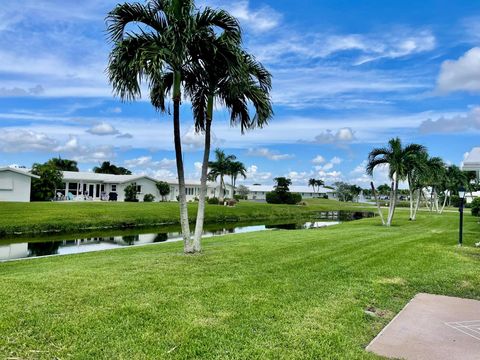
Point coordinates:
[(268, 154)]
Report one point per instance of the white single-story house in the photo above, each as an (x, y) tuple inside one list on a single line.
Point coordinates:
[(259, 192), (93, 186), (15, 184)]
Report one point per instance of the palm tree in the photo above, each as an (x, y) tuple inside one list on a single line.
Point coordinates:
[(319, 183), (234, 79), (312, 182), (220, 168), (415, 168), (160, 52), (237, 168), (433, 178), (397, 158), (107, 168), (64, 164), (454, 179)]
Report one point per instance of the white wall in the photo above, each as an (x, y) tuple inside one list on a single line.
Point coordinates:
[(148, 187), (14, 186)]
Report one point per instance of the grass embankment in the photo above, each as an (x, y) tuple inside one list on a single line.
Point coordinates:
[(74, 216), (269, 295)]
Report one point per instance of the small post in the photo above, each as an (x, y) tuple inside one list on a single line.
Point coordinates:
[(461, 195)]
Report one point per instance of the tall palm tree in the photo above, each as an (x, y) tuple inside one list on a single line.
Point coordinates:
[(433, 178), (454, 179), (64, 164), (220, 168), (237, 168), (416, 165), (234, 79), (397, 158), (159, 53), (312, 182), (319, 183)]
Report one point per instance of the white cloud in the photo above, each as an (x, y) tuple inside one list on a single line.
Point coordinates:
[(269, 154), (342, 136), (455, 124), (462, 74), (148, 162), (256, 176), (103, 129), (319, 159), (20, 140)]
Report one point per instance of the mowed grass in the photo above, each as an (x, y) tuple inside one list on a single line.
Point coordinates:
[(269, 295), (74, 216)]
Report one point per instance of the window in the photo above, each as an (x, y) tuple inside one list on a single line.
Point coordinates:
[(114, 187), (139, 189)]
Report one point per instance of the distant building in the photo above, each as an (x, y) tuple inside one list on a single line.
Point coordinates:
[(259, 192), (472, 163), (15, 184)]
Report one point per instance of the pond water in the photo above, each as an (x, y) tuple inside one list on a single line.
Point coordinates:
[(64, 244)]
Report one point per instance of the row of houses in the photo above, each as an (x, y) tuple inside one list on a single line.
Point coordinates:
[(15, 185)]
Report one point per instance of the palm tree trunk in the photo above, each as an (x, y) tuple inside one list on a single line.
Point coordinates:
[(411, 197), (444, 201), (393, 200), (417, 205), (377, 202), (221, 196), (187, 245), (203, 181)]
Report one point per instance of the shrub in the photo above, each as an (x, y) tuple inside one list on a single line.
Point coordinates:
[(232, 202), (273, 198), (131, 193), (293, 198), (212, 201), (302, 203), (475, 205), (148, 198), (239, 197), (455, 201)]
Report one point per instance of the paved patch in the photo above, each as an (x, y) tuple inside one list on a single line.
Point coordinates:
[(432, 327)]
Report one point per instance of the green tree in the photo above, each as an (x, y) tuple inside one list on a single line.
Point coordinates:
[(219, 169), (319, 183), (161, 56), (45, 188), (237, 168), (397, 158), (131, 193), (282, 194), (312, 182), (163, 188), (64, 164), (231, 77), (107, 168)]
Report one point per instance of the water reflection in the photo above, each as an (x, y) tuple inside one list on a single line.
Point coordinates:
[(17, 250)]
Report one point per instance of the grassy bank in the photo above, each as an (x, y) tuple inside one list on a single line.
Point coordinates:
[(74, 216), (270, 295)]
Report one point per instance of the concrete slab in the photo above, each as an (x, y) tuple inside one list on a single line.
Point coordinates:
[(432, 327)]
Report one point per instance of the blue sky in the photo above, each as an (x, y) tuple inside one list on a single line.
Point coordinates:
[(347, 76)]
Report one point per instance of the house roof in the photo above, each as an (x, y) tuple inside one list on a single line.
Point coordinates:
[(472, 161), (19, 171), (84, 176), (103, 178), (293, 188)]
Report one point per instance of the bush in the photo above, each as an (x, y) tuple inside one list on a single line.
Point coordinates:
[(148, 198), (273, 198), (239, 197), (292, 198), (131, 193), (455, 201), (475, 207), (302, 203), (212, 201), (232, 202)]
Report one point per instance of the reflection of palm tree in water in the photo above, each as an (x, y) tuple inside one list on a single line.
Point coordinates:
[(161, 237), (44, 248), (130, 239)]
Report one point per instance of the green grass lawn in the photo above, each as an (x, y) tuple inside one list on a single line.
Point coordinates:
[(269, 295), (73, 216)]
